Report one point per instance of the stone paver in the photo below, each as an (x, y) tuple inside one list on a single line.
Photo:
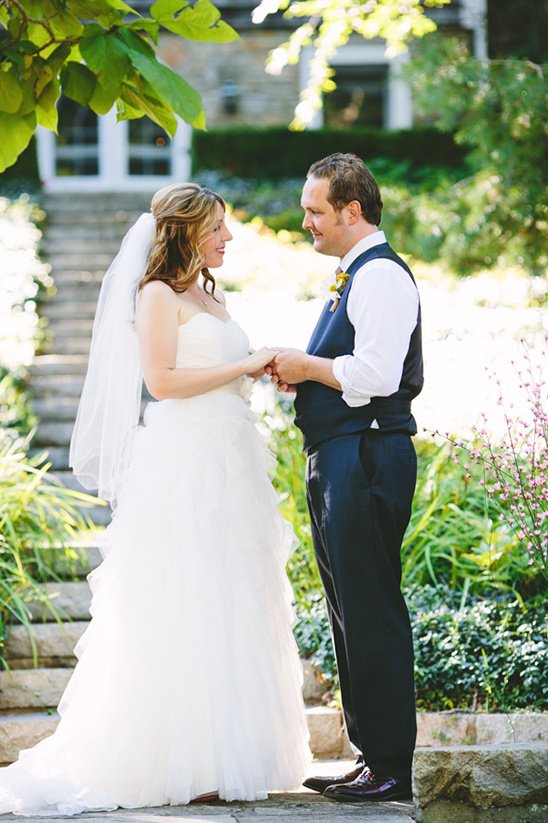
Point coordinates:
[(302, 806)]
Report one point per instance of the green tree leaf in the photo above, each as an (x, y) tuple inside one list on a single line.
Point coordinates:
[(106, 55), (15, 134), (11, 95), (149, 106), (169, 86), (200, 21), (102, 99), (46, 110), (136, 43), (78, 82), (46, 46)]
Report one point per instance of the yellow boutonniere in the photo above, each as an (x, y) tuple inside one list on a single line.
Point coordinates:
[(336, 289)]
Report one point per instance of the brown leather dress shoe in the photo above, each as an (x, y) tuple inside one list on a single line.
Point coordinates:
[(371, 787), (319, 784)]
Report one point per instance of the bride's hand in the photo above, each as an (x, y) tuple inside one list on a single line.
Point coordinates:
[(256, 362)]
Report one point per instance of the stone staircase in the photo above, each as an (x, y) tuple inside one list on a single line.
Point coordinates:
[(81, 238)]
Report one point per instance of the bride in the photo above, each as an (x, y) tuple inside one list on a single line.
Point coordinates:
[(188, 682)]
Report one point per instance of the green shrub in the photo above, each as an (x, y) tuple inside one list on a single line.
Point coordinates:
[(271, 153), (489, 655), (39, 520)]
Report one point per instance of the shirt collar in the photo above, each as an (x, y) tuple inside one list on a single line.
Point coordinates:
[(369, 242)]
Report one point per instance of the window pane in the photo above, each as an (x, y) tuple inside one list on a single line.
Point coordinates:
[(149, 148), (360, 97), (76, 146)]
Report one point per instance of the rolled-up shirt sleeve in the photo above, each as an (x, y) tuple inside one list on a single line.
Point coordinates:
[(383, 308)]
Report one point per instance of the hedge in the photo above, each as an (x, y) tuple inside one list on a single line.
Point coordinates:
[(275, 152)]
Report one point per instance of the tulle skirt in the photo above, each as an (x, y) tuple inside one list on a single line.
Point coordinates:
[(188, 680)]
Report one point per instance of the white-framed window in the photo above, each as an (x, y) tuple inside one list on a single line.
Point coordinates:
[(95, 153)]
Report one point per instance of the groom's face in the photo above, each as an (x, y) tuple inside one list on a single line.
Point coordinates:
[(328, 226)]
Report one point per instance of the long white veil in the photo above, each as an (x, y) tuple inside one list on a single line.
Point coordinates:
[(108, 413)]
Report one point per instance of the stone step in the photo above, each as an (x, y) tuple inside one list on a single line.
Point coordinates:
[(95, 243), (52, 641), (58, 364), (52, 433), (56, 456), (63, 327), (66, 345), (100, 514), (74, 287), (87, 555), (450, 783), (72, 599), (33, 688), (57, 386), (25, 687), (23, 730), (94, 205), (59, 308), (56, 408), (90, 261), (479, 784)]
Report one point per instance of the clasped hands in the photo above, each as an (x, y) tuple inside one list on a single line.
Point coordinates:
[(287, 368)]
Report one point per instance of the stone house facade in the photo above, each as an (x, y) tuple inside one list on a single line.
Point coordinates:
[(95, 153)]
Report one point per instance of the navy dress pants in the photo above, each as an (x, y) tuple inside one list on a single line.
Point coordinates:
[(360, 489)]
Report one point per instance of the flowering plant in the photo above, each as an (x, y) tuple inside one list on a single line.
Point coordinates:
[(515, 470), (334, 285)]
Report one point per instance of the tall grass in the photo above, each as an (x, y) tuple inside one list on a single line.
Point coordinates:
[(455, 537), (39, 523)]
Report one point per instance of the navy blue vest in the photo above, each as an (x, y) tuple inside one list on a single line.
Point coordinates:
[(321, 412)]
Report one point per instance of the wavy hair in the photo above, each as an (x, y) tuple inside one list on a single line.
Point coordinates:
[(350, 179), (184, 213)]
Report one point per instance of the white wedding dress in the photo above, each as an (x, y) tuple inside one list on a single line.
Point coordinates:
[(188, 680)]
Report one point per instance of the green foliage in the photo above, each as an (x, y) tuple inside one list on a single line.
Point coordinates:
[(285, 440), (329, 26), (98, 56), (485, 655), (313, 637), (16, 415), (456, 537), (39, 519), (497, 109), (264, 153), (476, 605)]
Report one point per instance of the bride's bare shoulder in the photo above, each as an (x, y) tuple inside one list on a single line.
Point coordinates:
[(157, 290)]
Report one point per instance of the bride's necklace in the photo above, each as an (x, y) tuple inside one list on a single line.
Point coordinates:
[(200, 296)]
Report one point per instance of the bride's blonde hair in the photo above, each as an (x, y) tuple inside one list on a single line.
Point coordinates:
[(184, 213)]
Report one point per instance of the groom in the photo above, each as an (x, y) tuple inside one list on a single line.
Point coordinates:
[(355, 383)]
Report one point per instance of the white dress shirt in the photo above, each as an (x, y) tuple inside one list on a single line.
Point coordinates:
[(382, 306)]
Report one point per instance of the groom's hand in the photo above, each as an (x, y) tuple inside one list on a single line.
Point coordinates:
[(289, 367), (275, 378)]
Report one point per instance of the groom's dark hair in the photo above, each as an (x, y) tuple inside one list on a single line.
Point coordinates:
[(350, 179)]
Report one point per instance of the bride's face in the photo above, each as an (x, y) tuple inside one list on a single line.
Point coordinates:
[(213, 243)]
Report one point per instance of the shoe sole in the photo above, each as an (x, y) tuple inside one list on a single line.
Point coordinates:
[(397, 796)]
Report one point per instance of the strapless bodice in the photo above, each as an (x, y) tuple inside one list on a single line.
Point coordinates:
[(205, 341)]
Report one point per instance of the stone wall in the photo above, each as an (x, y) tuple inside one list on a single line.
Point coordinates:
[(263, 99)]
